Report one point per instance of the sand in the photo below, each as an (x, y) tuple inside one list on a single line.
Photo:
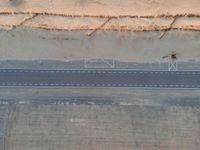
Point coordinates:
[(103, 7), (139, 31)]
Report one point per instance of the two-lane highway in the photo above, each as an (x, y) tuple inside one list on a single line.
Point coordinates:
[(99, 78)]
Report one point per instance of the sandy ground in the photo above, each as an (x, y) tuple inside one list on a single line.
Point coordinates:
[(102, 128), (69, 30), (129, 96), (103, 7), (93, 14), (9, 22), (35, 44), (136, 119)]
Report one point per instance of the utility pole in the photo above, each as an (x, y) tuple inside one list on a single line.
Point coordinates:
[(172, 64)]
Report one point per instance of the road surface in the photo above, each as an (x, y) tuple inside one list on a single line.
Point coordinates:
[(99, 78)]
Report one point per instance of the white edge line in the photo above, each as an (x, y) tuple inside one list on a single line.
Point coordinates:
[(75, 87)]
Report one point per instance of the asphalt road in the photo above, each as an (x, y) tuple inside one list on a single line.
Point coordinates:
[(99, 78)]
